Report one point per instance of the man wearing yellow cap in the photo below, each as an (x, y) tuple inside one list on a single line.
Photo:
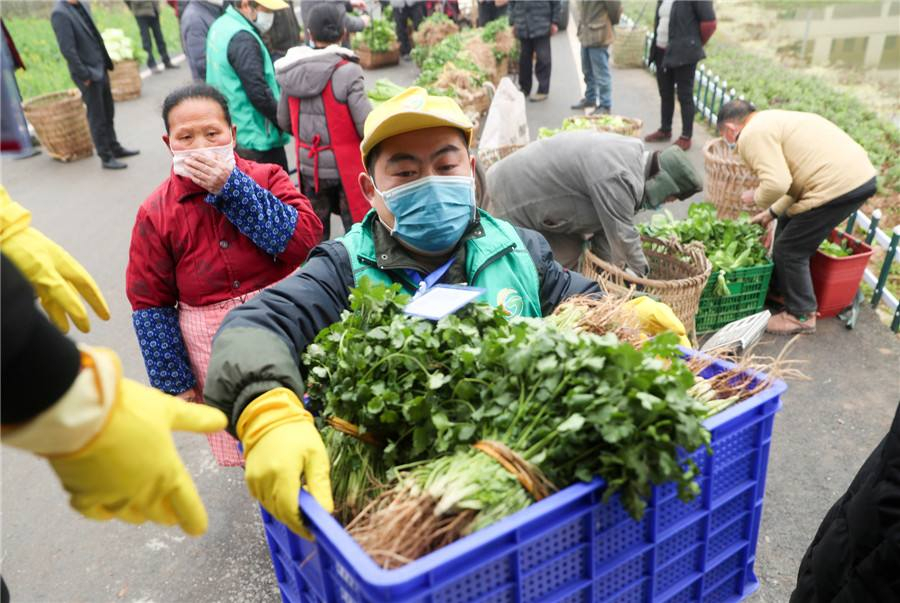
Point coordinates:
[(239, 66), (423, 227)]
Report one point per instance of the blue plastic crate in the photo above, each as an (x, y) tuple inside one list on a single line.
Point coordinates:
[(569, 546)]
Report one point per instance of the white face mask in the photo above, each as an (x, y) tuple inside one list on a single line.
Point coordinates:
[(264, 21), (224, 153)]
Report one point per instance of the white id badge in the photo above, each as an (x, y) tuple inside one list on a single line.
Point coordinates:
[(442, 300)]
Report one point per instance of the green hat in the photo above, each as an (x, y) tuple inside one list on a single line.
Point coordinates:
[(676, 177)]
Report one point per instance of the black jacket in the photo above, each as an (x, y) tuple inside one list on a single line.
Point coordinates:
[(685, 46), (80, 42), (259, 345), (38, 364), (532, 18), (246, 57), (855, 556)]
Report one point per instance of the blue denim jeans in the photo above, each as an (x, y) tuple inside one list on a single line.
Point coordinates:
[(595, 66)]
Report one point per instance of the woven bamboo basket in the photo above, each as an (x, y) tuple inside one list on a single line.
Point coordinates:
[(60, 121), (727, 176), (632, 125), (628, 46), (125, 81), (374, 60), (488, 157), (679, 274)]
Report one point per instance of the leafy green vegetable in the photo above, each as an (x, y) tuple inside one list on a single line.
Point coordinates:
[(841, 250), (379, 36), (384, 90), (449, 51), (730, 244), (576, 405), (607, 122)]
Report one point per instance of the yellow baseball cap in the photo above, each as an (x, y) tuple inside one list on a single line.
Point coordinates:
[(411, 110), (272, 4)]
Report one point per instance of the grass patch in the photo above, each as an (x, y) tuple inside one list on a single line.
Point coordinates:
[(46, 69)]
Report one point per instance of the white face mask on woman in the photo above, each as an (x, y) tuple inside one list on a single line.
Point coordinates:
[(225, 153), (264, 21)]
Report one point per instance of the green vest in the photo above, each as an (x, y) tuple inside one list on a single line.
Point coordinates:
[(497, 262), (254, 131)]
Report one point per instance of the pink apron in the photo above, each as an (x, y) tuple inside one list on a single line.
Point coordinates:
[(198, 326)]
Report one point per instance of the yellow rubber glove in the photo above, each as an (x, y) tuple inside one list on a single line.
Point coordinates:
[(281, 445), (131, 470), (55, 275), (656, 317)]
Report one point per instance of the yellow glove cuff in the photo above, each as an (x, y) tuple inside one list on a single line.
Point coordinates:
[(273, 409), (73, 422), (13, 217)]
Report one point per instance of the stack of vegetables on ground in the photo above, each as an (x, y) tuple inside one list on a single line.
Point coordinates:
[(730, 244), (474, 417)]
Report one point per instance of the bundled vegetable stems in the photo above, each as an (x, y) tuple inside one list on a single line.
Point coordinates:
[(480, 416)]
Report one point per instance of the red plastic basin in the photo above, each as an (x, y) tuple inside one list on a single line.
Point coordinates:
[(836, 280)]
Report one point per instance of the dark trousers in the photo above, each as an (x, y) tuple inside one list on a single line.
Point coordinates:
[(488, 11), (414, 13), (668, 80), (148, 24), (531, 48), (276, 156), (796, 240), (329, 200), (98, 99)]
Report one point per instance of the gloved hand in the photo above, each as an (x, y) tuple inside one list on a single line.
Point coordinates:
[(56, 276), (281, 445), (131, 470), (656, 317)]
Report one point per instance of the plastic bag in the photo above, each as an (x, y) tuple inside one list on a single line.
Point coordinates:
[(507, 122)]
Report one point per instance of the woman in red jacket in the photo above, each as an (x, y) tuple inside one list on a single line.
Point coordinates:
[(217, 231)]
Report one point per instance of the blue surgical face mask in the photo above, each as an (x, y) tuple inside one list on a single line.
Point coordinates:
[(431, 214), (731, 145)]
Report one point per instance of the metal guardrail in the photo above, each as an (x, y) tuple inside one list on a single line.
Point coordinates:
[(876, 236), (710, 93)]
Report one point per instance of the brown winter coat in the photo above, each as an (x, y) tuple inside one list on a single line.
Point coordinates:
[(595, 22)]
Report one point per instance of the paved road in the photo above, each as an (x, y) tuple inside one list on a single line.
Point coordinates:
[(49, 553)]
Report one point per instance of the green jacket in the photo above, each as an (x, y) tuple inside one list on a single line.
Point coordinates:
[(495, 258), (595, 22), (254, 131)]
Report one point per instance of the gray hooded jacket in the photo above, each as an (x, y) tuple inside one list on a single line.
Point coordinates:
[(303, 74), (576, 183)]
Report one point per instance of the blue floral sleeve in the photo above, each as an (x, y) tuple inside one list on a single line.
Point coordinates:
[(256, 212), (165, 356)]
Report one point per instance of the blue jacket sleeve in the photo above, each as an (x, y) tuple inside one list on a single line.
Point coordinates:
[(162, 346), (256, 212)]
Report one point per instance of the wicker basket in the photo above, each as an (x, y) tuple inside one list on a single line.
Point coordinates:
[(125, 81), (60, 121), (374, 60), (632, 125), (628, 46), (727, 176), (488, 157), (679, 275)]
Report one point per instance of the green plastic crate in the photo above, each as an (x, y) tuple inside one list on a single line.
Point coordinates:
[(748, 287)]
